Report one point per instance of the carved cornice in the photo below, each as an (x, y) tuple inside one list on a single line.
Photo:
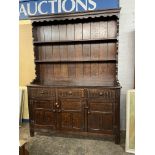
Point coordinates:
[(76, 16)]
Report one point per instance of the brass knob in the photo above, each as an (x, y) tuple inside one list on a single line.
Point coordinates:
[(57, 106), (70, 92), (42, 92), (54, 110), (101, 93), (88, 112)]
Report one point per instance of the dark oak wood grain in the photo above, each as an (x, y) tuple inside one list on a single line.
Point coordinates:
[(76, 87), (23, 150)]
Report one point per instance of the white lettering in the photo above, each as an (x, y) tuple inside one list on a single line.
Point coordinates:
[(78, 2), (64, 6), (52, 5), (29, 8), (39, 7), (59, 6), (93, 4), (22, 10)]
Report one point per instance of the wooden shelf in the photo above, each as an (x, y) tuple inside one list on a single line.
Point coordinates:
[(62, 42), (75, 61)]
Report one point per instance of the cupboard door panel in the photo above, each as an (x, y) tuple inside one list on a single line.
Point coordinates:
[(100, 116), (44, 113), (71, 115), (100, 107), (98, 122)]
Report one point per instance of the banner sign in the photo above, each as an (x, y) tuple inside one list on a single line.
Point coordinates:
[(47, 7)]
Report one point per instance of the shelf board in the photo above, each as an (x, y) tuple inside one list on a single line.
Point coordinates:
[(61, 42), (75, 61)]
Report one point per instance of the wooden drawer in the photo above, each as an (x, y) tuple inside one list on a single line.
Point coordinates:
[(43, 104), (106, 94), (42, 92), (71, 93)]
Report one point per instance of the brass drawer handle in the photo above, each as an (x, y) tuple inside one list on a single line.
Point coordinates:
[(100, 93), (52, 110), (70, 93), (58, 106), (43, 92)]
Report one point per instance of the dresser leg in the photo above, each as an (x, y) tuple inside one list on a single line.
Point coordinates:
[(32, 132), (117, 139)]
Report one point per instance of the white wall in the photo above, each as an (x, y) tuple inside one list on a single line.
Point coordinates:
[(126, 53)]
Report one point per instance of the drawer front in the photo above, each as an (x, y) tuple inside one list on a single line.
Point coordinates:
[(71, 93), (44, 104), (107, 94), (42, 92)]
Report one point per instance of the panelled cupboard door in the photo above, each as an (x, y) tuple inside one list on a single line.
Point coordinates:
[(44, 114), (71, 114), (100, 116)]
